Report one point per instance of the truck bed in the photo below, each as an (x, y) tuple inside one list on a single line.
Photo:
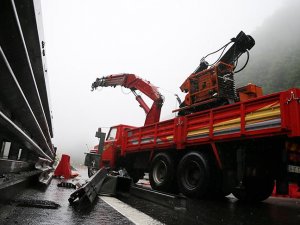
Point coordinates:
[(270, 115)]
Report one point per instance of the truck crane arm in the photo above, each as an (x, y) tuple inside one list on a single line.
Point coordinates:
[(213, 84), (241, 44), (134, 83)]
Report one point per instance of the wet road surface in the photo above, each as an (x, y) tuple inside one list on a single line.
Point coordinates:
[(98, 213), (274, 211)]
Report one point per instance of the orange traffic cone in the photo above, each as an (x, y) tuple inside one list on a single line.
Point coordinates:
[(63, 168)]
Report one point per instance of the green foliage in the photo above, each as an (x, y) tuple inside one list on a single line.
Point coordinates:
[(275, 59)]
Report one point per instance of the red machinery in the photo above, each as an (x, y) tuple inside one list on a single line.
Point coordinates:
[(213, 85), (134, 83)]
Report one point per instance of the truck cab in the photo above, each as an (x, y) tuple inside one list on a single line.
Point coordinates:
[(107, 151)]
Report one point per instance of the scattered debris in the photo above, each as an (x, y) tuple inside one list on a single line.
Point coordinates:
[(45, 178), (43, 204), (66, 185), (3, 178), (43, 164)]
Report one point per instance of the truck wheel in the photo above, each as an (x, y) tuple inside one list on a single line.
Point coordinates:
[(193, 175), (254, 189), (162, 173)]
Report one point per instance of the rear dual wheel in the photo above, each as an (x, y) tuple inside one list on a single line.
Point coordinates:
[(196, 178), (162, 173), (194, 175)]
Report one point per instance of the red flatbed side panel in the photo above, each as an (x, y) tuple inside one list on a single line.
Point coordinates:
[(155, 136), (270, 115), (257, 117)]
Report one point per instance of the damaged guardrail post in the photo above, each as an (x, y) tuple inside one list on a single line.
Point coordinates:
[(90, 190), (102, 182), (46, 175)]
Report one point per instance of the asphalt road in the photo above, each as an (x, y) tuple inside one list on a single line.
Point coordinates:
[(273, 211), (110, 211), (33, 206)]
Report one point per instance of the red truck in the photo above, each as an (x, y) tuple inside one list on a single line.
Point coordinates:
[(215, 146)]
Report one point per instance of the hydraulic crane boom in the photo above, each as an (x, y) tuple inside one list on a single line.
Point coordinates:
[(134, 83)]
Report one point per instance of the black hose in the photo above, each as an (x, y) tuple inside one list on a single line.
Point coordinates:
[(217, 50), (224, 47), (248, 56)]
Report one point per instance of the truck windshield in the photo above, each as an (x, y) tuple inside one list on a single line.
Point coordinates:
[(112, 134)]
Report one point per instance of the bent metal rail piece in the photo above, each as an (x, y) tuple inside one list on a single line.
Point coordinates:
[(25, 114), (168, 200), (87, 193), (103, 182)]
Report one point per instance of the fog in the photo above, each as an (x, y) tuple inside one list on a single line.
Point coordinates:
[(275, 59), (160, 41)]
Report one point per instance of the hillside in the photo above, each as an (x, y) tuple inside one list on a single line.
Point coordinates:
[(275, 59)]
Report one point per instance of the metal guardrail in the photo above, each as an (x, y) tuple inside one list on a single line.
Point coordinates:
[(25, 115)]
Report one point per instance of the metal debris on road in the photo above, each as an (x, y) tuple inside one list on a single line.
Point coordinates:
[(44, 204)]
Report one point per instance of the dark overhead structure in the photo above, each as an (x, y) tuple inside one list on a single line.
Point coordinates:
[(25, 113)]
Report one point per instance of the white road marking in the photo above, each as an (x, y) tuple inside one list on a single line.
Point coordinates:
[(132, 214)]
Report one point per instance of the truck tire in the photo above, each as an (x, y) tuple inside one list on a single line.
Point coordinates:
[(162, 173), (193, 175), (254, 189)]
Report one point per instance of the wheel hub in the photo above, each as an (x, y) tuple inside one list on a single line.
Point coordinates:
[(192, 174), (160, 172)]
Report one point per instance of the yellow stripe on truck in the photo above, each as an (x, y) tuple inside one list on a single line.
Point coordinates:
[(263, 114), (269, 112)]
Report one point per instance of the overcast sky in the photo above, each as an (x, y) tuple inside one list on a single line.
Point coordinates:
[(159, 40)]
